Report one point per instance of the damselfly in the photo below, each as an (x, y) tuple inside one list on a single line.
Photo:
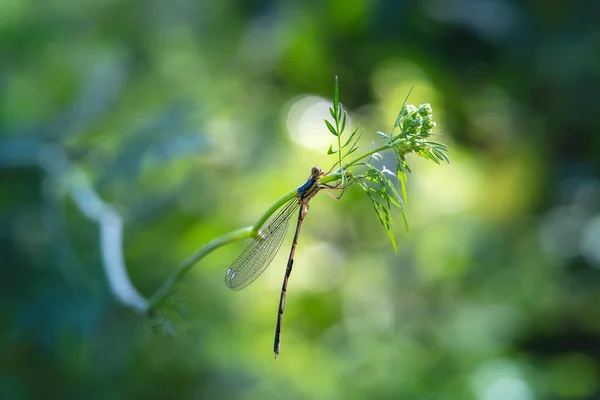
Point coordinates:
[(258, 255)]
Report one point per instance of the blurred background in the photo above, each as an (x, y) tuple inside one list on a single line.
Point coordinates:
[(153, 127)]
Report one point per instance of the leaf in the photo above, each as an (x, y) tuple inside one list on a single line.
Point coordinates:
[(404, 218), (371, 178), (381, 194), (331, 128), (430, 155), (398, 119), (382, 214), (385, 181), (344, 121), (331, 151), (385, 196), (354, 146), (392, 239), (431, 143), (402, 178), (332, 113), (349, 139), (441, 155), (336, 97), (352, 151), (384, 219)]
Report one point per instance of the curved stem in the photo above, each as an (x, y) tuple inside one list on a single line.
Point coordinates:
[(365, 155), (282, 200), (161, 294)]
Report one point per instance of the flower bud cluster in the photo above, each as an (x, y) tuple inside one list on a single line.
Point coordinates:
[(417, 122)]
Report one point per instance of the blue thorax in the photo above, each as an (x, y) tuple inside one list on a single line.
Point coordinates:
[(306, 187)]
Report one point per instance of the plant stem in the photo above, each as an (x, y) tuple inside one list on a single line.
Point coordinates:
[(282, 200), (161, 294), (365, 155), (338, 115)]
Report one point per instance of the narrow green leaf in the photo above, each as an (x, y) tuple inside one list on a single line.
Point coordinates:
[(392, 239), (396, 195), (437, 154), (430, 155), (402, 178), (436, 144), (387, 196), (385, 181), (331, 128), (344, 121), (351, 151), (441, 155), (352, 136), (336, 98), (386, 219), (405, 219), (381, 179), (349, 140), (387, 227), (382, 214), (331, 151), (354, 146), (395, 202), (379, 192), (423, 153), (398, 119), (332, 112), (372, 200)]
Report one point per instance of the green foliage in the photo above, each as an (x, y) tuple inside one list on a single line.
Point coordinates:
[(414, 126), (167, 123), (340, 118)]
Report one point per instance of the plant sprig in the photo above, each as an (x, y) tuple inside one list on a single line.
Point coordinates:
[(340, 118), (414, 127)]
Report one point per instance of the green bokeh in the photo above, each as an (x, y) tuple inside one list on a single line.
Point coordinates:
[(178, 114)]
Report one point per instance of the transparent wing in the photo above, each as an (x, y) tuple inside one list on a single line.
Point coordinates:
[(255, 259)]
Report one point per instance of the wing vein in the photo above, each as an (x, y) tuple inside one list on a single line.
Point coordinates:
[(259, 254)]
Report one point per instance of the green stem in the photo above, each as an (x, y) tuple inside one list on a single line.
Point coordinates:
[(282, 200), (161, 294), (365, 155), (338, 115), (339, 142)]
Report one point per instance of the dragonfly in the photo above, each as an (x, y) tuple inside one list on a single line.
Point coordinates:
[(259, 254)]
